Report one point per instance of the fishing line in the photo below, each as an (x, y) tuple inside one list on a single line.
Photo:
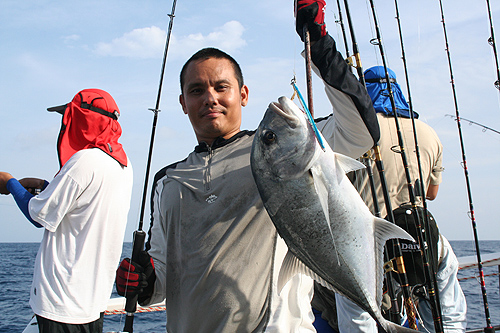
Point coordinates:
[(139, 236), (432, 293), (368, 15), (488, 327)]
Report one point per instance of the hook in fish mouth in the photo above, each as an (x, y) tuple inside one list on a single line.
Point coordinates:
[(288, 105)]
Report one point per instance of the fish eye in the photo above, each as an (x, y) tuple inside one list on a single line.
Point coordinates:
[(269, 137)]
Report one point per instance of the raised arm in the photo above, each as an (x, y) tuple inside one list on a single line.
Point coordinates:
[(352, 129)]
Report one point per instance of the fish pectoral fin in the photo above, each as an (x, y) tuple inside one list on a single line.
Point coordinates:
[(273, 204), (321, 188), (323, 192), (292, 266), (348, 164), (392, 327)]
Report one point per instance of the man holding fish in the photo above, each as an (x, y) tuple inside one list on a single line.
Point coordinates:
[(213, 251)]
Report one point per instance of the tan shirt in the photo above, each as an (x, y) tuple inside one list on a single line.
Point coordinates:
[(431, 157)]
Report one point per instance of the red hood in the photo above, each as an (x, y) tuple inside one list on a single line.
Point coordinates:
[(90, 120)]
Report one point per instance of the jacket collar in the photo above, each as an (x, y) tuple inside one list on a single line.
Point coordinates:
[(221, 142)]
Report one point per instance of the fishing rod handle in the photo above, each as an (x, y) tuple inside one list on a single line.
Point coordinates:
[(137, 248)]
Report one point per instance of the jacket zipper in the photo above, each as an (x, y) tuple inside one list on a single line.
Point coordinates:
[(208, 175)]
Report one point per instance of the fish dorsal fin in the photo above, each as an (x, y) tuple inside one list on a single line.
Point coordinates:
[(292, 266), (384, 230), (348, 164)]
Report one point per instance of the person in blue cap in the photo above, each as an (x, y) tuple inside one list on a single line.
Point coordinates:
[(453, 304)]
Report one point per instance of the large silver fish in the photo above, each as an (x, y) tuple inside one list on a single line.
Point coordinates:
[(330, 233)]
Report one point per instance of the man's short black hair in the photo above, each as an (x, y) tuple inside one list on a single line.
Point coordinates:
[(211, 52)]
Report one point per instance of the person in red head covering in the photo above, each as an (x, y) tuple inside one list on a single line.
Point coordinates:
[(84, 212), (90, 120)]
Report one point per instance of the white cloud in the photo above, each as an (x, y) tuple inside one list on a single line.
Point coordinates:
[(71, 38), (139, 43), (150, 42)]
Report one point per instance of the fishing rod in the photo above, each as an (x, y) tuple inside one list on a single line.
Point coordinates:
[(139, 235), (340, 21), (399, 264), (394, 312), (429, 277), (366, 158), (420, 185), (491, 41), (310, 111), (307, 48), (488, 327), (400, 267), (355, 49), (485, 128), (308, 60)]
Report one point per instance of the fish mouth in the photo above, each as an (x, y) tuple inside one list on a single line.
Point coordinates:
[(282, 110)]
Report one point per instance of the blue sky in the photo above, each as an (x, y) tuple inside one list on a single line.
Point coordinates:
[(49, 50)]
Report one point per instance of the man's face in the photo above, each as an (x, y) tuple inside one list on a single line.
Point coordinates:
[(212, 99)]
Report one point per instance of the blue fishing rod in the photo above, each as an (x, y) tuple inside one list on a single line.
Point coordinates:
[(139, 235), (488, 327)]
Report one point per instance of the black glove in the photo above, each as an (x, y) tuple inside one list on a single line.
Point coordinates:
[(136, 278), (311, 12)]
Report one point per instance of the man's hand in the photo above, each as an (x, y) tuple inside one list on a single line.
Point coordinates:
[(4, 178), (32, 184), (136, 278), (312, 13)]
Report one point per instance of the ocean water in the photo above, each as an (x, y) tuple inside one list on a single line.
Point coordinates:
[(17, 260)]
